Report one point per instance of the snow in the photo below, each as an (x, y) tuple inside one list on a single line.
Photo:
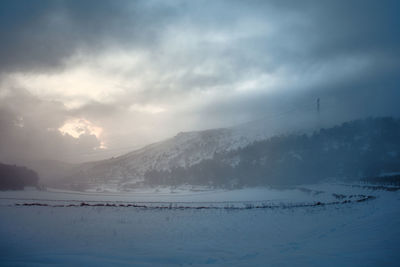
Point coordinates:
[(183, 150), (353, 234), (385, 174)]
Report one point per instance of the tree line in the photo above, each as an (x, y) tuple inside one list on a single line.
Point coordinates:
[(16, 178), (352, 150)]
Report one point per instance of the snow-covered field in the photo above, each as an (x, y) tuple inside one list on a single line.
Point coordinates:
[(314, 225)]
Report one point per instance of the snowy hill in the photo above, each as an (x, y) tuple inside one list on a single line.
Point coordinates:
[(354, 150), (183, 150)]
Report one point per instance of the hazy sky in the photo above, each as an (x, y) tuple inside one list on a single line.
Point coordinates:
[(81, 77)]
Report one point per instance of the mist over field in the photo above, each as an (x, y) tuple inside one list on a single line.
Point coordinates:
[(225, 133)]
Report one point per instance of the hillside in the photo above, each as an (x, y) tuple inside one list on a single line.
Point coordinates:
[(357, 149), (183, 150), (245, 155), (127, 171), (16, 178)]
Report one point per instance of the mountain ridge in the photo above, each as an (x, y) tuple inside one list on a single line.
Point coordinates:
[(181, 151)]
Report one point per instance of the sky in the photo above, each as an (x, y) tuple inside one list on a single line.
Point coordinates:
[(84, 80)]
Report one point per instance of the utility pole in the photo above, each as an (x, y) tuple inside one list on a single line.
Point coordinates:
[(318, 114)]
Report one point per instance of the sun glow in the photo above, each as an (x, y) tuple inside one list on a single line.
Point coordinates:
[(80, 126)]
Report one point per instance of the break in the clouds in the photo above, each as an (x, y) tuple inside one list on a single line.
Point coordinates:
[(80, 78)]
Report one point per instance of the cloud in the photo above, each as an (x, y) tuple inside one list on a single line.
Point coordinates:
[(144, 70), (30, 129), (42, 35)]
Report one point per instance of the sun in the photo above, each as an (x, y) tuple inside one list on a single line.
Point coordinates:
[(79, 126)]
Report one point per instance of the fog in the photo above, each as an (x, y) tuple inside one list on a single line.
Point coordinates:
[(87, 80), (199, 132)]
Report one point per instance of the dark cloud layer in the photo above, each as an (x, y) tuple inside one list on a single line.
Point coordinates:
[(39, 35), (210, 63)]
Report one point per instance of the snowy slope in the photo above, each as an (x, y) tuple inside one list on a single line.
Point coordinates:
[(129, 171), (183, 150)]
